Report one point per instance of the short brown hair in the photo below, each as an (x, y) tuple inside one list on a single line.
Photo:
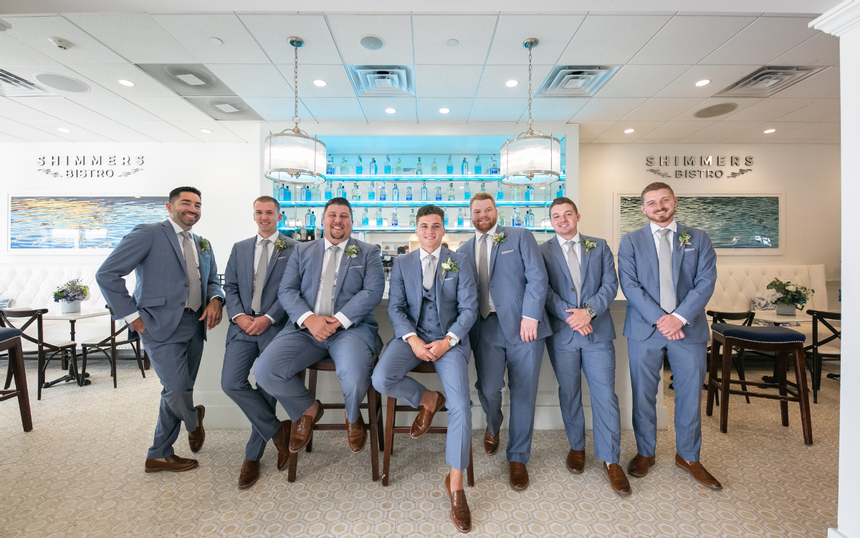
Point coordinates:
[(268, 200), (656, 186), (482, 196), (561, 200), (430, 210), (339, 201)]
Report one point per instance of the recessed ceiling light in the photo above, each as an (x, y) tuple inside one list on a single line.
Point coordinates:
[(452, 42), (628, 131), (319, 82), (511, 83), (206, 131), (390, 110), (444, 110), (768, 131), (215, 41), (64, 130), (126, 82), (703, 82)]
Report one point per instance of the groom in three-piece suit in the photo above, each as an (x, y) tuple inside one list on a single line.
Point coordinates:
[(252, 277), (582, 286), (177, 297), (510, 331), (667, 273), (329, 290)]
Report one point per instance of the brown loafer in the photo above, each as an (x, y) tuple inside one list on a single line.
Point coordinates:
[(356, 435), (303, 430), (196, 438), (281, 440), (249, 474), (617, 479), (460, 514), (491, 442), (699, 473), (172, 463), (575, 461), (639, 465), (425, 417), (519, 476)]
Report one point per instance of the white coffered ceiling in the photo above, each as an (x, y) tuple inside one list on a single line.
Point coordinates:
[(661, 54)]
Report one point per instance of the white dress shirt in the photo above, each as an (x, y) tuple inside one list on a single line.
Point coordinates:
[(577, 247), (258, 247), (328, 254), (673, 227), (455, 339)]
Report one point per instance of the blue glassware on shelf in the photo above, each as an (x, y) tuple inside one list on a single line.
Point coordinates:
[(452, 194), (383, 193), (288, 196), (530, 219), (395, 194), (408, 192), (344, 168), (419, 168), (365, 218), (373, 168), (560, 192), (516, 193), (516, 219), (412, 218), (394, 217), (424, 192), (341, 191), (438, 192), (449, 168), (328, 192), (313, 220), (398, 168), (494, 166), (355, 194), (308, 220), (316, 195), (387, 167), (467, 191), (483, 187), (359, 168), (379, 217), (371, 192), (500, 192), (501, 221), (460, 218), (530, 194), (445, 211), (478, 165), (329, 166), (464, 167), (434, 168)]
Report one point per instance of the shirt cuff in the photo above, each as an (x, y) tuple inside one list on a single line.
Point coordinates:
[(301, 321), (270, 318), (131, 317), (684, 321), (406, 336), (526, 317), (343, 320), (233, 319), (455, 338)]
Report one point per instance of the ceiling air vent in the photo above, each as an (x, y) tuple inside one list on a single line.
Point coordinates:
[(716, 110), (576, 80), (768, 80), (383, 80), (12, 85)]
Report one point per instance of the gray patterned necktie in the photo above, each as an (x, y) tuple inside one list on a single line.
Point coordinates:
[(195, 295), (429, 271), (574, 268), (260, 276), (668, 300), (483, 276), (327, 292)]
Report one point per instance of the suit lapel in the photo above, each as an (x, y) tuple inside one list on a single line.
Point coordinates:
[(174, 242), (677, 256), (273, 258), (315, 256), (247, 257), (649, 248), (413, 282), (494, 249), (559, 257), (584, 264), (443, 255), (344, 267)]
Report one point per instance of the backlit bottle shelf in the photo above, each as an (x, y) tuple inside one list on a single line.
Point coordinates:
[(414, 177), (417, 203), (409, 230)]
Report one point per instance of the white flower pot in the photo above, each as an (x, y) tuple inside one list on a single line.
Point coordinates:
[(72, 307), (786, 310)]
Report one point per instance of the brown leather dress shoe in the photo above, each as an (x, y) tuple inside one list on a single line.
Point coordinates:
[(460, 514), (699, 473), (425, 417), (281, 440), (172, 463), (617, 479), (491, 442), (356, 435), (639, 465), (249, 474), (575, 461), (196, 438), (303, 430), (519, 476)]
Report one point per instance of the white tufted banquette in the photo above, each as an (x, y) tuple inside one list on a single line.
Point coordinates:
[(737, 284)]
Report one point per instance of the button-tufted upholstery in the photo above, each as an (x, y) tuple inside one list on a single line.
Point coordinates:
[(737, 284)]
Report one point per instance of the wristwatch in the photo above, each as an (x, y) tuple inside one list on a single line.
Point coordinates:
[(450, 340), (590, 311)]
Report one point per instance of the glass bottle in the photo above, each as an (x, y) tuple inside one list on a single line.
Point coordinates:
[(419, 168), (329, 166), (478, 165), (383, 193), (494, 166), (315, 194), (483, 187), (424, 192), (464, 167), (379, 216), (530, 194), (530, 219), (308, 220), (365, 218), (467, 191), (288, 196), (516, 193), (460, 218), (359, 169), (303, 196), (277, 190), (438, 192), (451, 193), (516, 219), (344, 168), (501, 220), (560, 192), (449, 168), (328, 192), (341, 191), (355, 195), (434, 168), (412, 218), (387, 167), (445, 221), (408, 192), (371, 192), (394, 217), (500, 192), (398, 168), (373, 168), (395, 194), (313, 220)]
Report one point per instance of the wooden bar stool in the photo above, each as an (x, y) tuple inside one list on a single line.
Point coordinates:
[(374, 412), (391, 428), (778, 340), (10, 341)]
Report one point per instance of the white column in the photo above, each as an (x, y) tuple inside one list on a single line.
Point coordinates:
[(843, 21)]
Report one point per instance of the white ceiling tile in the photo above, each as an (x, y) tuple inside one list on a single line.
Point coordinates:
[(173, 108), (253, 80), (277, 108), (9, 139), (134, 36), (822, 49), (676, 130), (552, 31), (63, 109), (721, 76), (162, 131), (640, 129), (608, 109), (818, 86), (555, 108), (447, 80), (249, 131), (17, 53), (459, 109), (593, 129), (662, 109), (743, 104), (115, 108), (809, 132), (35, 32), (374, 108), (24, 111), (28, 133), (76, 132), (338, 83), (769, 109), (762, 41), (116, 131), (432, 33), (817, 111), (757, 133), (219, 134), (394, 30), (495, 76), (272, 32), (334, 108), (641, 80), (29, 72), (194, 31), (699, 35), (611, 39), (722, 130), (498, 109), (108, 76)]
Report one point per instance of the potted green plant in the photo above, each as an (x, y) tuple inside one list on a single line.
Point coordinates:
[(70, 295), (787, 296)]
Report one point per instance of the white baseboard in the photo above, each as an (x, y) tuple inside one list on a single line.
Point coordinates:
[(833, 533)]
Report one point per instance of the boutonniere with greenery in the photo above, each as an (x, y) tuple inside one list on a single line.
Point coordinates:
[(351, 252), (204, 244), (683, 239), (449, 265), (281, 245), (588, 244), (499, 238)]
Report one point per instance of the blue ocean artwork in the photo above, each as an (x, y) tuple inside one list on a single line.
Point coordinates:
[(735, 222), (75, 223)]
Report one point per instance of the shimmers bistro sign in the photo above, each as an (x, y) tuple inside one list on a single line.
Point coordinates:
[(699, 166), (89, 166)]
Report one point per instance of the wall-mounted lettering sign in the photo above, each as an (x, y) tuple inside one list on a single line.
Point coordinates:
[(90, 166), (699, 166)]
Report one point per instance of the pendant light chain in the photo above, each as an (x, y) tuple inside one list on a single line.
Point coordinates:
[(296, 86), (530, 87)]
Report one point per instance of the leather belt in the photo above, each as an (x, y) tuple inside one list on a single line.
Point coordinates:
[(189, 310), (492, 314)]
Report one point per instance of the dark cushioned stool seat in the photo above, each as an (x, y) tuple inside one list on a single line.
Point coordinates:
[(763, 335), (6, 333)]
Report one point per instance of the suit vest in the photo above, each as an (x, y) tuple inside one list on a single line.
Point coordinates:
[(429, 326)]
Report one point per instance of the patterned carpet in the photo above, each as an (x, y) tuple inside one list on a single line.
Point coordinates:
[(80, 473)]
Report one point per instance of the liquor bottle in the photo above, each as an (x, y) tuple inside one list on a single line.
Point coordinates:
[(451, 193), (478, 165), (516, 219), (517, 193), (387, 168), (460, 218), (395, 193), (313, 220), (315, 194), (530, 194), (288, 196), (398, 168), (419, 168), (359, 169), (329, 166), (438, 192), (501, 220), (373, 168), (355, 195), (379, 216), (530, 219), (483, 187), (560, 192), (424, 192), (449, 168), (308, 220), (365, 218), (383, 193), (494, 166), (464, 167), (408, 191), (434, 168), (445, 221), (303, 194), (467, 191), (276, 190), (394, 217), (328, 193), (371, 192), (344, 168), (500, 192), (412, 218), (341, 191)]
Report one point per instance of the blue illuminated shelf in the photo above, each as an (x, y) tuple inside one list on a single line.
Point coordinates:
[(416, 203), (414, 177), (408, 229)]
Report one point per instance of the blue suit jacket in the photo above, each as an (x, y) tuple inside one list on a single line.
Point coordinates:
[(359, 288), (456, 296), (517, 282), (152, 251), (694, 272), (599, 287), (239, 285)]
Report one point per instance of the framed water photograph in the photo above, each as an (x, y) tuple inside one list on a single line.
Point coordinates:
[(737, 224), (78, 224)]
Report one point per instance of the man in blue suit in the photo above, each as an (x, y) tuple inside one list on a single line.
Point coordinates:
[(329, 290), (253, 275), (176, 298), (667, 273), (582, 285), (432, 304), (510, 330)]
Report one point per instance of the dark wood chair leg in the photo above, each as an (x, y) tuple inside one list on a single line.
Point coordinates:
[(312, 388), (470, 471), (41, 365), (137, 355), (803, 393), (16, 355), (390, 415), (727, 372), (782, 366), (373, 432), (740, 367), (712, 377), (9, 374)]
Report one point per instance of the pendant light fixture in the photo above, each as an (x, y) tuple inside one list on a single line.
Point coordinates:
[(292, 156), (531, 158)]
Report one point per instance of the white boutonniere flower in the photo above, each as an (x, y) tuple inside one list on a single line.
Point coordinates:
[(683, 239), (588, 244), (351, 252), (499, 238), (204, 244), (449, 265), (281, 245)]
